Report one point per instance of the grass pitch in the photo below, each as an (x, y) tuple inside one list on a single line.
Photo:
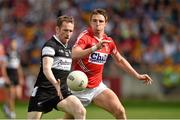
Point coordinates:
[(135, 109)]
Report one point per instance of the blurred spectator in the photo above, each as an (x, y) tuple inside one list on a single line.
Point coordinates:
[(4, 80), (171, 78), (3, 74), (176, 55), (15, 75)]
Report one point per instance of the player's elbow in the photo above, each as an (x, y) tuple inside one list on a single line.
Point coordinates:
[(118, 61), (45, 70), (75, 55)]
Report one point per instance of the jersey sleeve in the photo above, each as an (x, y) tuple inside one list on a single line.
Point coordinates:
[(113, 48), (48, 50)]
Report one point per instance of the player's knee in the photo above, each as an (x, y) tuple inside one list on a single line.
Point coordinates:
[(119, 112), (80, 114), (81, 111)]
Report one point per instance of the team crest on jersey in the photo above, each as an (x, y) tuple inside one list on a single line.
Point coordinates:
[(98, 58), (61, 51), (66, 53)]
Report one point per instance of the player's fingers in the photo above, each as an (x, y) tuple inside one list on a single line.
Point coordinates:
[(147, 79), (59, 82), (147, 82), (105, 41), (60, 96), (58, 87), (58, 92)]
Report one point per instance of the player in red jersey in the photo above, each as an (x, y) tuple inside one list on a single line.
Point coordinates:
[(90, 53)]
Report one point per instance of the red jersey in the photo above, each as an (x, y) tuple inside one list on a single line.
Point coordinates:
[(93, 64)]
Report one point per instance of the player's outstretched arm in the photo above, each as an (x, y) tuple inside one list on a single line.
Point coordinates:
[(125, 65), (78, 52)]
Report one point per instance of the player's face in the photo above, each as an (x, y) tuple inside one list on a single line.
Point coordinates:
[(13, 45), (98, 23), (64, 32)]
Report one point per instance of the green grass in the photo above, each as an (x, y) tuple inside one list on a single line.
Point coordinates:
[(135, 109), (152, 109)]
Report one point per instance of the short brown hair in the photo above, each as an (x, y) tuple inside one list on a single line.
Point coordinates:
[(64, 18), (101, 12)]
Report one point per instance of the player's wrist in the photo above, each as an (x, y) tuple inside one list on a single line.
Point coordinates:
[(55, 83), (137, 76), (94, 48)]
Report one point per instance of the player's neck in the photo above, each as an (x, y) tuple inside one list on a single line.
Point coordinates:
[(99, 35)]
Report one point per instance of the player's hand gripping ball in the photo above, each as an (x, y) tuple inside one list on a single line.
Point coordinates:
[(77, 80)]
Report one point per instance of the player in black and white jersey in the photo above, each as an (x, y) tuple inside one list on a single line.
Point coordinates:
[(4, 80), (16, 77), (50, 90)]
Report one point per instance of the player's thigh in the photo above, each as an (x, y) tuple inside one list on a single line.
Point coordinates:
[(70, 105), (34, 115), (108, 100)]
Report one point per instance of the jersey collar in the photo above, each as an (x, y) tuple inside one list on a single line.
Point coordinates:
[(64, 45)]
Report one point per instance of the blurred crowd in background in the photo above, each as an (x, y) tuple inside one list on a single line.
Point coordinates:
[(145, 31)]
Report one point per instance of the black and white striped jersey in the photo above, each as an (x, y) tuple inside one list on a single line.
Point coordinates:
[(13, 59), (61, 64)]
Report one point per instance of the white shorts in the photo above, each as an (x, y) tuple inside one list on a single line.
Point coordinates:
[(2, 82), (87, 95)]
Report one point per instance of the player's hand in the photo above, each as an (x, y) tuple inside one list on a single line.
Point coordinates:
[(58, 89), (102, 43), (147, 80)]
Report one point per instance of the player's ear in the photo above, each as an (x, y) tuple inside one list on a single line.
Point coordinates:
[(57, 29), (106, 22)]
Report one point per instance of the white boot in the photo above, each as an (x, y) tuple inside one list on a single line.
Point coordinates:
[(12, 115), (6, 111)]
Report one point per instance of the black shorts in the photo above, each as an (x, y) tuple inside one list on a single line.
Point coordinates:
[(45, 100), (13, 76)]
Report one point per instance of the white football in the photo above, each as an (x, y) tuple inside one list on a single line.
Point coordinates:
[(77, 80)]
